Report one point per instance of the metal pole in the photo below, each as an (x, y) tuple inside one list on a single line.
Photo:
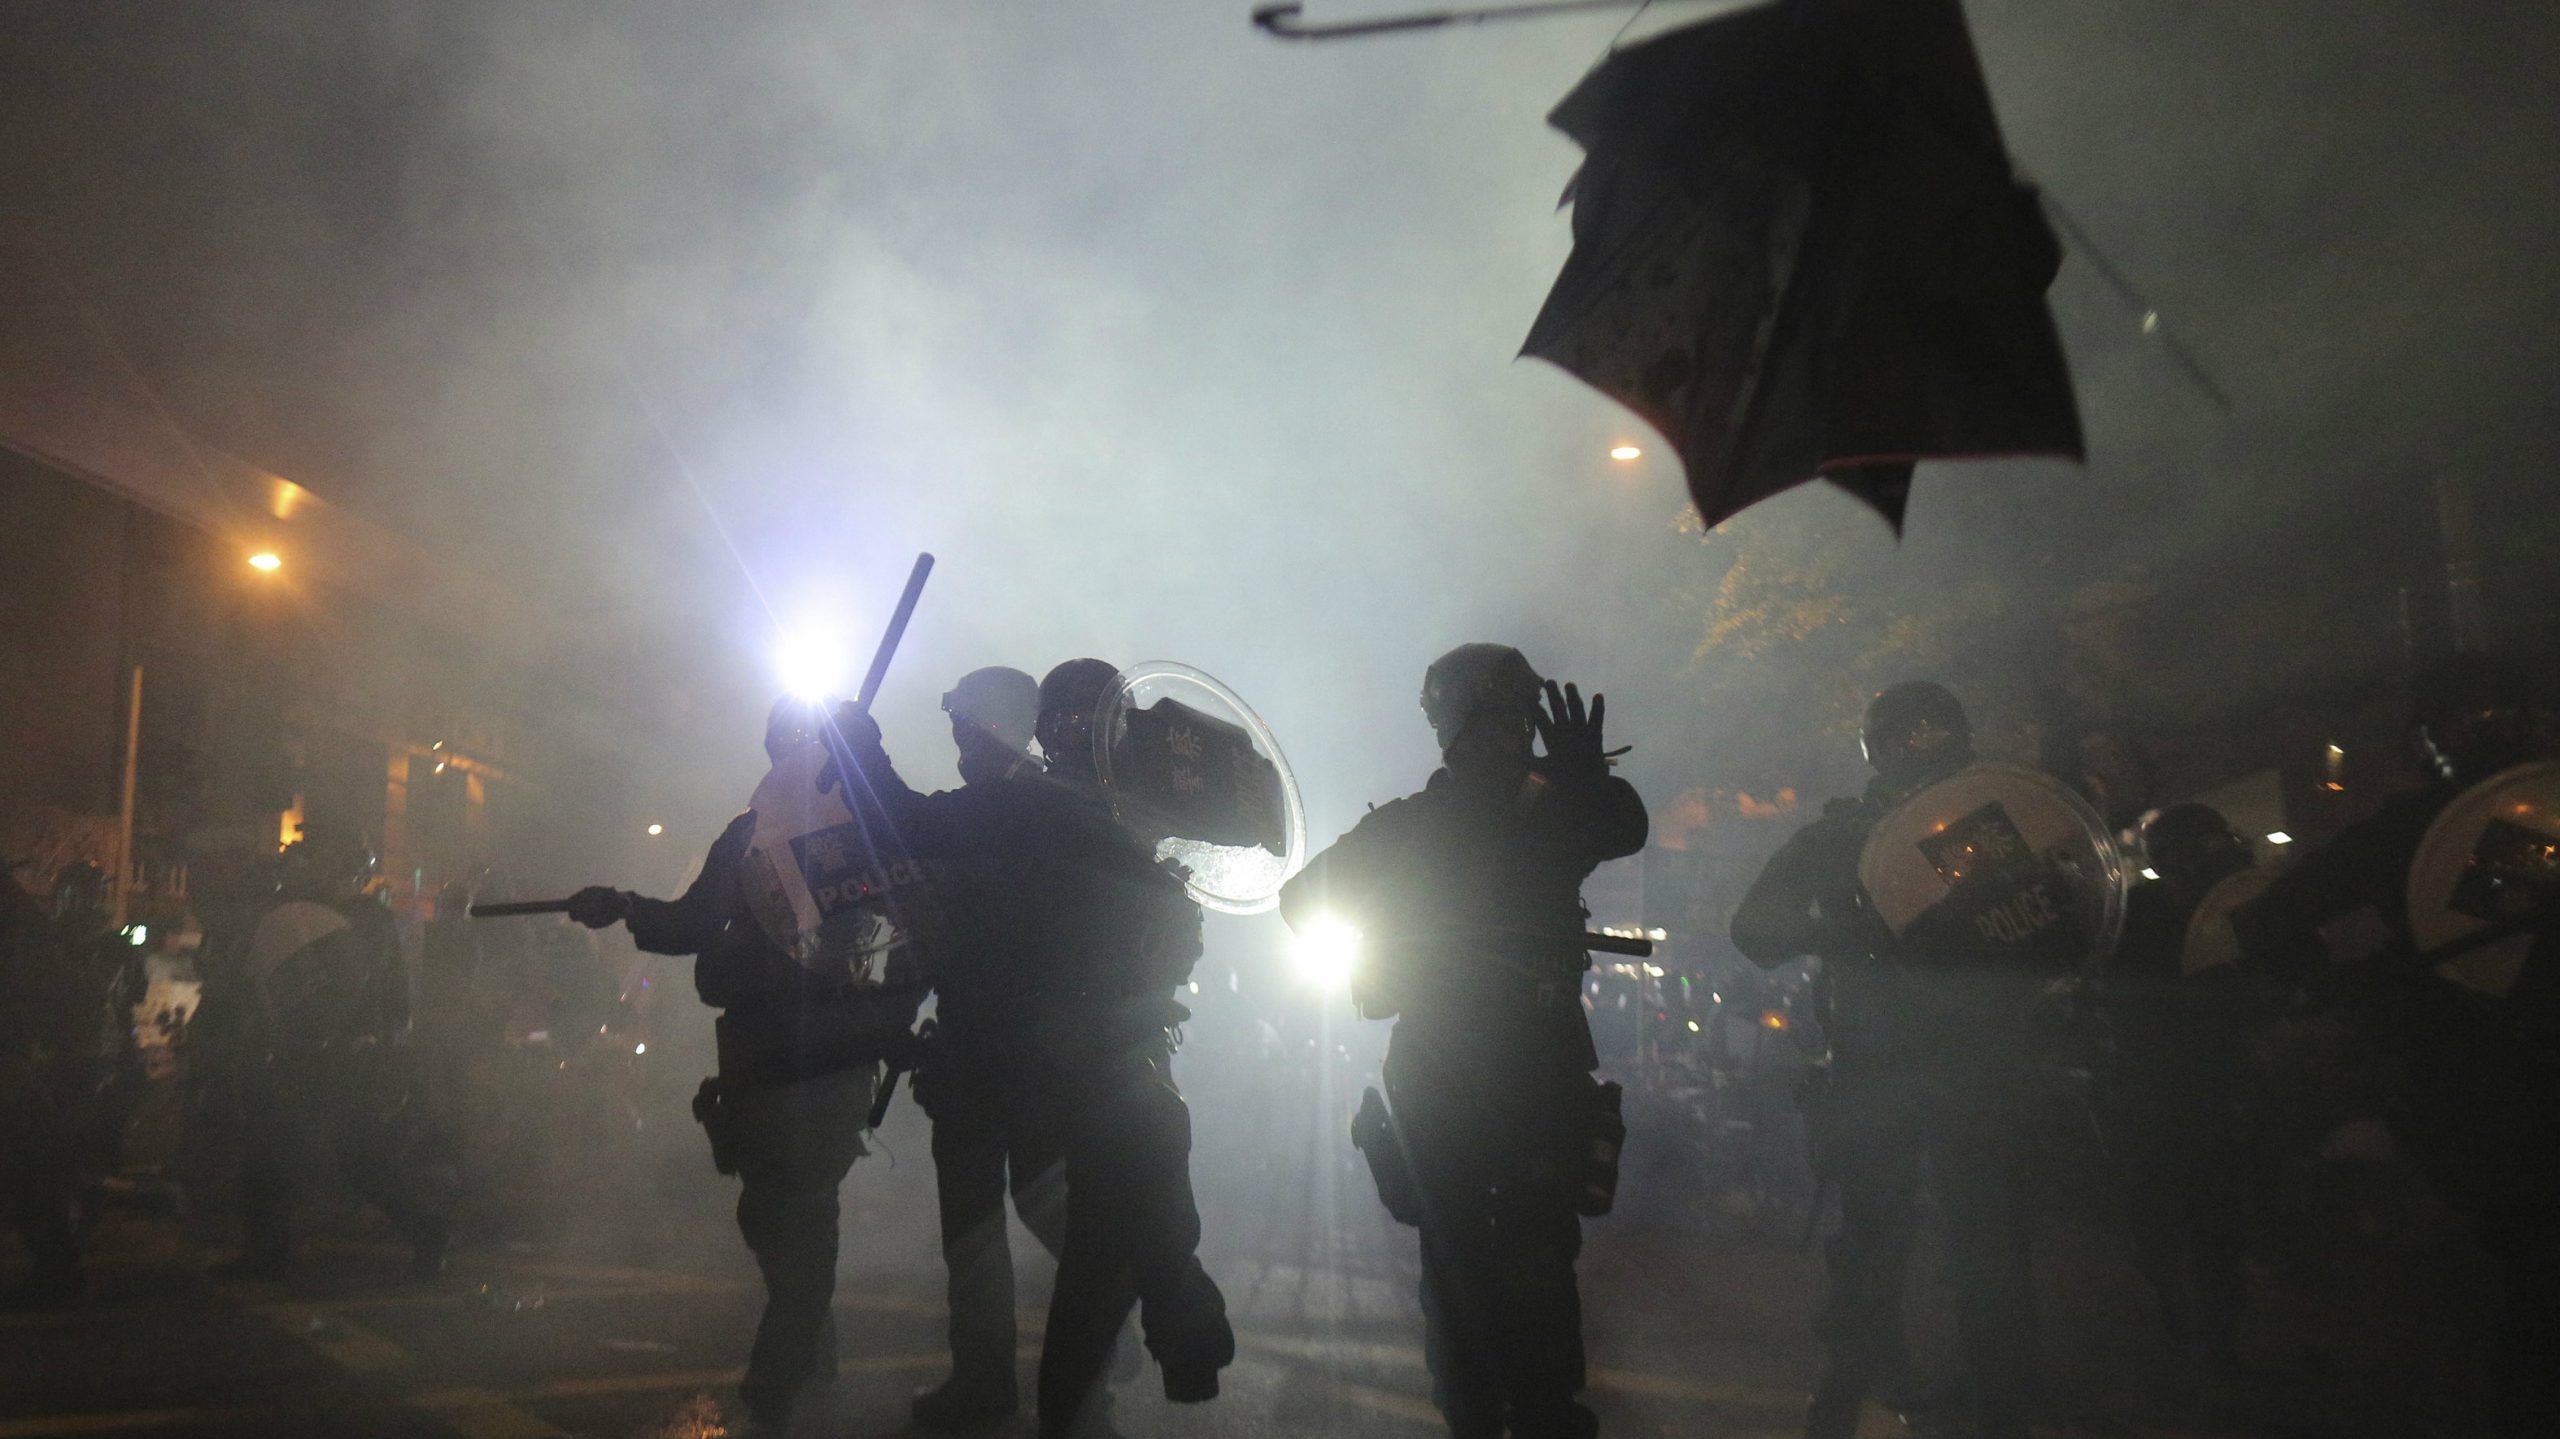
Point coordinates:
[(124, 818), (2466, 617)]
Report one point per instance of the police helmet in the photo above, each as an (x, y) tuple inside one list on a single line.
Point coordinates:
[(2472, 715), (998, 701), (791, 723), (1069, 695), (325, 861), (1472, 680), (1917, 722), (2193, 843)]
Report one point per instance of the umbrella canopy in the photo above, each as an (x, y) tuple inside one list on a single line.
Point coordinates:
[(1800, 251)]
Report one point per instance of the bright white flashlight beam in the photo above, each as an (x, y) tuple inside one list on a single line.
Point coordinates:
[(1326, 951), (810, 664)]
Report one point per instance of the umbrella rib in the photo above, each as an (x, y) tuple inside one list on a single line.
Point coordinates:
[(1283, 22), (2115, 279)]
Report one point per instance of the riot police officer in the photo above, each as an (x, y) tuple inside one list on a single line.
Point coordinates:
[(48, 1069), (1115, 933), (2475, 1088), (327, 1001), (2182, 1072), (1036, 904), (800, 1043), (1467, 897), (998, 1116), (1922, 1067)]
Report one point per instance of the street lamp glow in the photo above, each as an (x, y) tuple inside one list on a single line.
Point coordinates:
[(1624, 453), (657, 829), (266, 562), (2279, 837), (1326, 950)]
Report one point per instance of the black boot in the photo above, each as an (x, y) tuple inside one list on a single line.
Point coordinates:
[(962, 1403), (1832, 1413)]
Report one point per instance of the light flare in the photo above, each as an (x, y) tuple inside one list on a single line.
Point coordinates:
[(1326, 950), (810, 663)]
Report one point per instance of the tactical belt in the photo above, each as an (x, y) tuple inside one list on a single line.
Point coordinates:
[(792, 1043)]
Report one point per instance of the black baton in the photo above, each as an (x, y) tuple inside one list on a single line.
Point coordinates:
[(519, 906), (897, 630)]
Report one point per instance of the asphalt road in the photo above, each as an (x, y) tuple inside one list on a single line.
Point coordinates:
[(624, 1310)]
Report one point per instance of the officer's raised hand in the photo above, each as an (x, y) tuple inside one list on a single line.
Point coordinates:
[(1571, 735), (598, 907), (853, 743)]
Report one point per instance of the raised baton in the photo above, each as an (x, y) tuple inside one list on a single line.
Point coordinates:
[(897, 631)]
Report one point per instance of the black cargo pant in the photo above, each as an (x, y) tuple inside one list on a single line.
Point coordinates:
[(793, 1145), (308, 1117), (1496, 1175), (999, 1125), (1959, 1127), (37, 1181), (2186, 1197), (1133, 1235)]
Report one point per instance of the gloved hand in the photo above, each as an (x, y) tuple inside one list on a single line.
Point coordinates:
[(852, 740), (597, 907), (1572, 737), (901, 1049)]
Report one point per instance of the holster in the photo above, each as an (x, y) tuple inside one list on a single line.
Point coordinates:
[(1604, 1135), (719, 1123), (1373, 1133)]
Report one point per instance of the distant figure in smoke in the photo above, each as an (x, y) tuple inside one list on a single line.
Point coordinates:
[(1000, 1112), (2476, 1098), (110, 974), (1925, 1066), (50, 1067), (801, 1043), (2183, 1071), (1467, 898), (327, 1072)]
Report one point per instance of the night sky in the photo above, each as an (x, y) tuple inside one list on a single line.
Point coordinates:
[(1175, 341)]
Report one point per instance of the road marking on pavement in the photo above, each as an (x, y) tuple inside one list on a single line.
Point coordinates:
[(1622, 1381), (610, 1384), (357, 1351), (1663, 1386), (472, 1413), (48, 1425), (479, 1414), (1385, 1401), (1349, 1351)]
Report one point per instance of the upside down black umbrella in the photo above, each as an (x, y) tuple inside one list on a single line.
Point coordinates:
[(1800, 251)]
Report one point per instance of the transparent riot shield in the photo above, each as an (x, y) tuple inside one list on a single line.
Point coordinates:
[(1996, 864), (2211, 942), (1196, 775), (2488, 865)]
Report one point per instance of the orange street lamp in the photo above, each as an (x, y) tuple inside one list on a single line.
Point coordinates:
[(266, 562)]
